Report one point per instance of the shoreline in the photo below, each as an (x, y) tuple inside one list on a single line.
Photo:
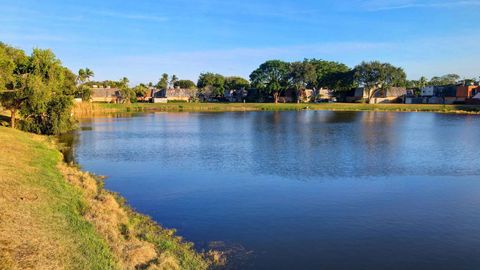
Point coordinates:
[(77, 222), (82, 110)]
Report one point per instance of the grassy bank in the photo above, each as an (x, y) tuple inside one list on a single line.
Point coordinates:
[(54, 216), (92, 109)]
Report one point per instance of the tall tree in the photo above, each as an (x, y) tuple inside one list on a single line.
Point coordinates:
[(140, 90), (376, 76), (211, 84), (163, 82), (328, 73), (84, 75), (128, 95), (50, 88), (447, 79), (422, 82), (271, 77), (185, 84), (13, 78), (301, 75), (173, 80), (236, 83)]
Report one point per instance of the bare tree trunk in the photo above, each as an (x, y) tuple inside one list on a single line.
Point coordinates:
[(371, 94), (12, 118)]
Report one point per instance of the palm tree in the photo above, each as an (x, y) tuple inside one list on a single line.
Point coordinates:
[(88, 74), (173, 80), (81, 76), (84, 75), (124, 81), (422, 82)]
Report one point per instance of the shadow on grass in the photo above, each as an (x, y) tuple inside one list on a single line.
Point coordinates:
[(474, 108), (4, 120)]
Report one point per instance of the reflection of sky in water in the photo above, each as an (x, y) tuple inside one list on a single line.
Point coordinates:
[(303, 190), (296, 145)]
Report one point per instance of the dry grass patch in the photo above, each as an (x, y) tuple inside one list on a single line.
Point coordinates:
[(133, 238), (54, 216), (39, 223)]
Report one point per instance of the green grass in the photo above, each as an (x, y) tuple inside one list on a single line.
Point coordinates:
[(102, 108), (53, 216), (42, 226)]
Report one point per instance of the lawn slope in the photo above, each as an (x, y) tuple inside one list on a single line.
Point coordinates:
[(54, 216)]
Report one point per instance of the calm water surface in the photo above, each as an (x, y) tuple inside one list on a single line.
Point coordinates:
[(302, 190)]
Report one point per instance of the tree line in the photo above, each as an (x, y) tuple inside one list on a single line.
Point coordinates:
[(40, 90), (274, 77)]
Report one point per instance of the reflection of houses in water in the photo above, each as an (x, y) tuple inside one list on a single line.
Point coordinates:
[(377, 127)]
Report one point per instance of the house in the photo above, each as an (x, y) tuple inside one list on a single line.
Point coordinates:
[(475, 100), (355, 94), (149, 94), (287, 96), (180, 94), (106, 94), (427, 91), (306, 95), (235, 95), (326, 94), (446, 94), (159, 100), (464, 92), (174, 94), (390, 95), (469, 94)]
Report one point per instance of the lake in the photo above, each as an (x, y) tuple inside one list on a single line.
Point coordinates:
[(301, 190)]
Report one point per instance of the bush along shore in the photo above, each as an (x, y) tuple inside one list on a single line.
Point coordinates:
[(54, 216), (89, 109)]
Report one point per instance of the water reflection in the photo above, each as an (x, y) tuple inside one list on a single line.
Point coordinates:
[(305, 190)]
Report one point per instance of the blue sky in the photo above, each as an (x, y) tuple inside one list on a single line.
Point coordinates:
[(143, 39)]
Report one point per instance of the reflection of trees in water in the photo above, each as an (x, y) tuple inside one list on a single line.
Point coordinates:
[(223, 140), (309, 144), (377, 129), (301, 144), (68, 142), (340, 117), (297, 145), (378, 143)]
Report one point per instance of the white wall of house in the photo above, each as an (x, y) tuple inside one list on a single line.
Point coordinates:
[(159, 100), (427, 91)]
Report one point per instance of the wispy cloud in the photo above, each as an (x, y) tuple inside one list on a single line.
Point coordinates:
[(130, 16), (409, 4), (233, 61), (419, 58), (285, 52)]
